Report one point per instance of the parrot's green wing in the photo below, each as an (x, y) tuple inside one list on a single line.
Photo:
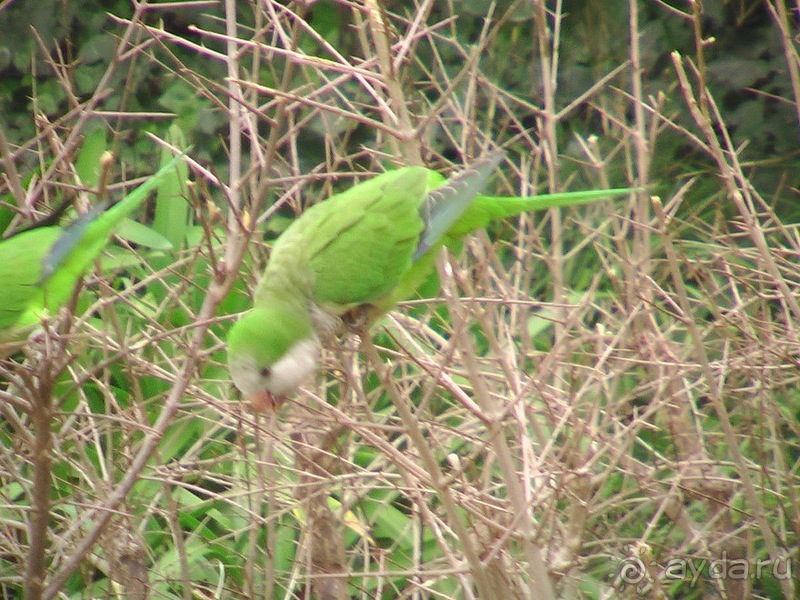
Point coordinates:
[(41, 267), (358, 244), (21, 260)]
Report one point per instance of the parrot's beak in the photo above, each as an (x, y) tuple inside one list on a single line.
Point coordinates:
[(266, 402)]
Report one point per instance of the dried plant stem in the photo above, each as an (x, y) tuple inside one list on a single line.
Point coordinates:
[(435, 475), (10, 174), (731, 438), (407, 136), (641, 244), (777, 9), (101, 516), (235, 121), (86, 111), (739, 189), (548, 59), (315, 456), (41, 388), (539, 579)]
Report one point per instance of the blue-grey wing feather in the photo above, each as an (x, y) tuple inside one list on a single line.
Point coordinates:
[(444, 205), (66, 242)]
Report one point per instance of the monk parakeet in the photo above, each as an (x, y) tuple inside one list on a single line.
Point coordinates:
[(40, 267), (351, 258)]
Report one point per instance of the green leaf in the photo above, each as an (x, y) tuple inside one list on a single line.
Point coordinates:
[(6, 214), (172, 214), (88, 162), (140, 234)]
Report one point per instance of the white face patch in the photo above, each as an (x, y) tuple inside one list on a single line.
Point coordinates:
[(282, 377), (294, 367)]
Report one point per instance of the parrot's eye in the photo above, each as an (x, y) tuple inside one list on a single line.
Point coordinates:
[(265, 372)]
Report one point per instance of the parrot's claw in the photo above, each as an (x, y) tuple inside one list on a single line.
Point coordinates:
[(356, 318)]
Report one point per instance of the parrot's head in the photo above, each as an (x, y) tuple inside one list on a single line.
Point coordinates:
[(271, 352)]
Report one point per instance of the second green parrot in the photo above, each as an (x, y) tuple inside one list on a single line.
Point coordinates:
[(40, 267), (352, 258)]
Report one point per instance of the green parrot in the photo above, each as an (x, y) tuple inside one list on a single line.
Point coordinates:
[(41, 267), (351, 258)]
